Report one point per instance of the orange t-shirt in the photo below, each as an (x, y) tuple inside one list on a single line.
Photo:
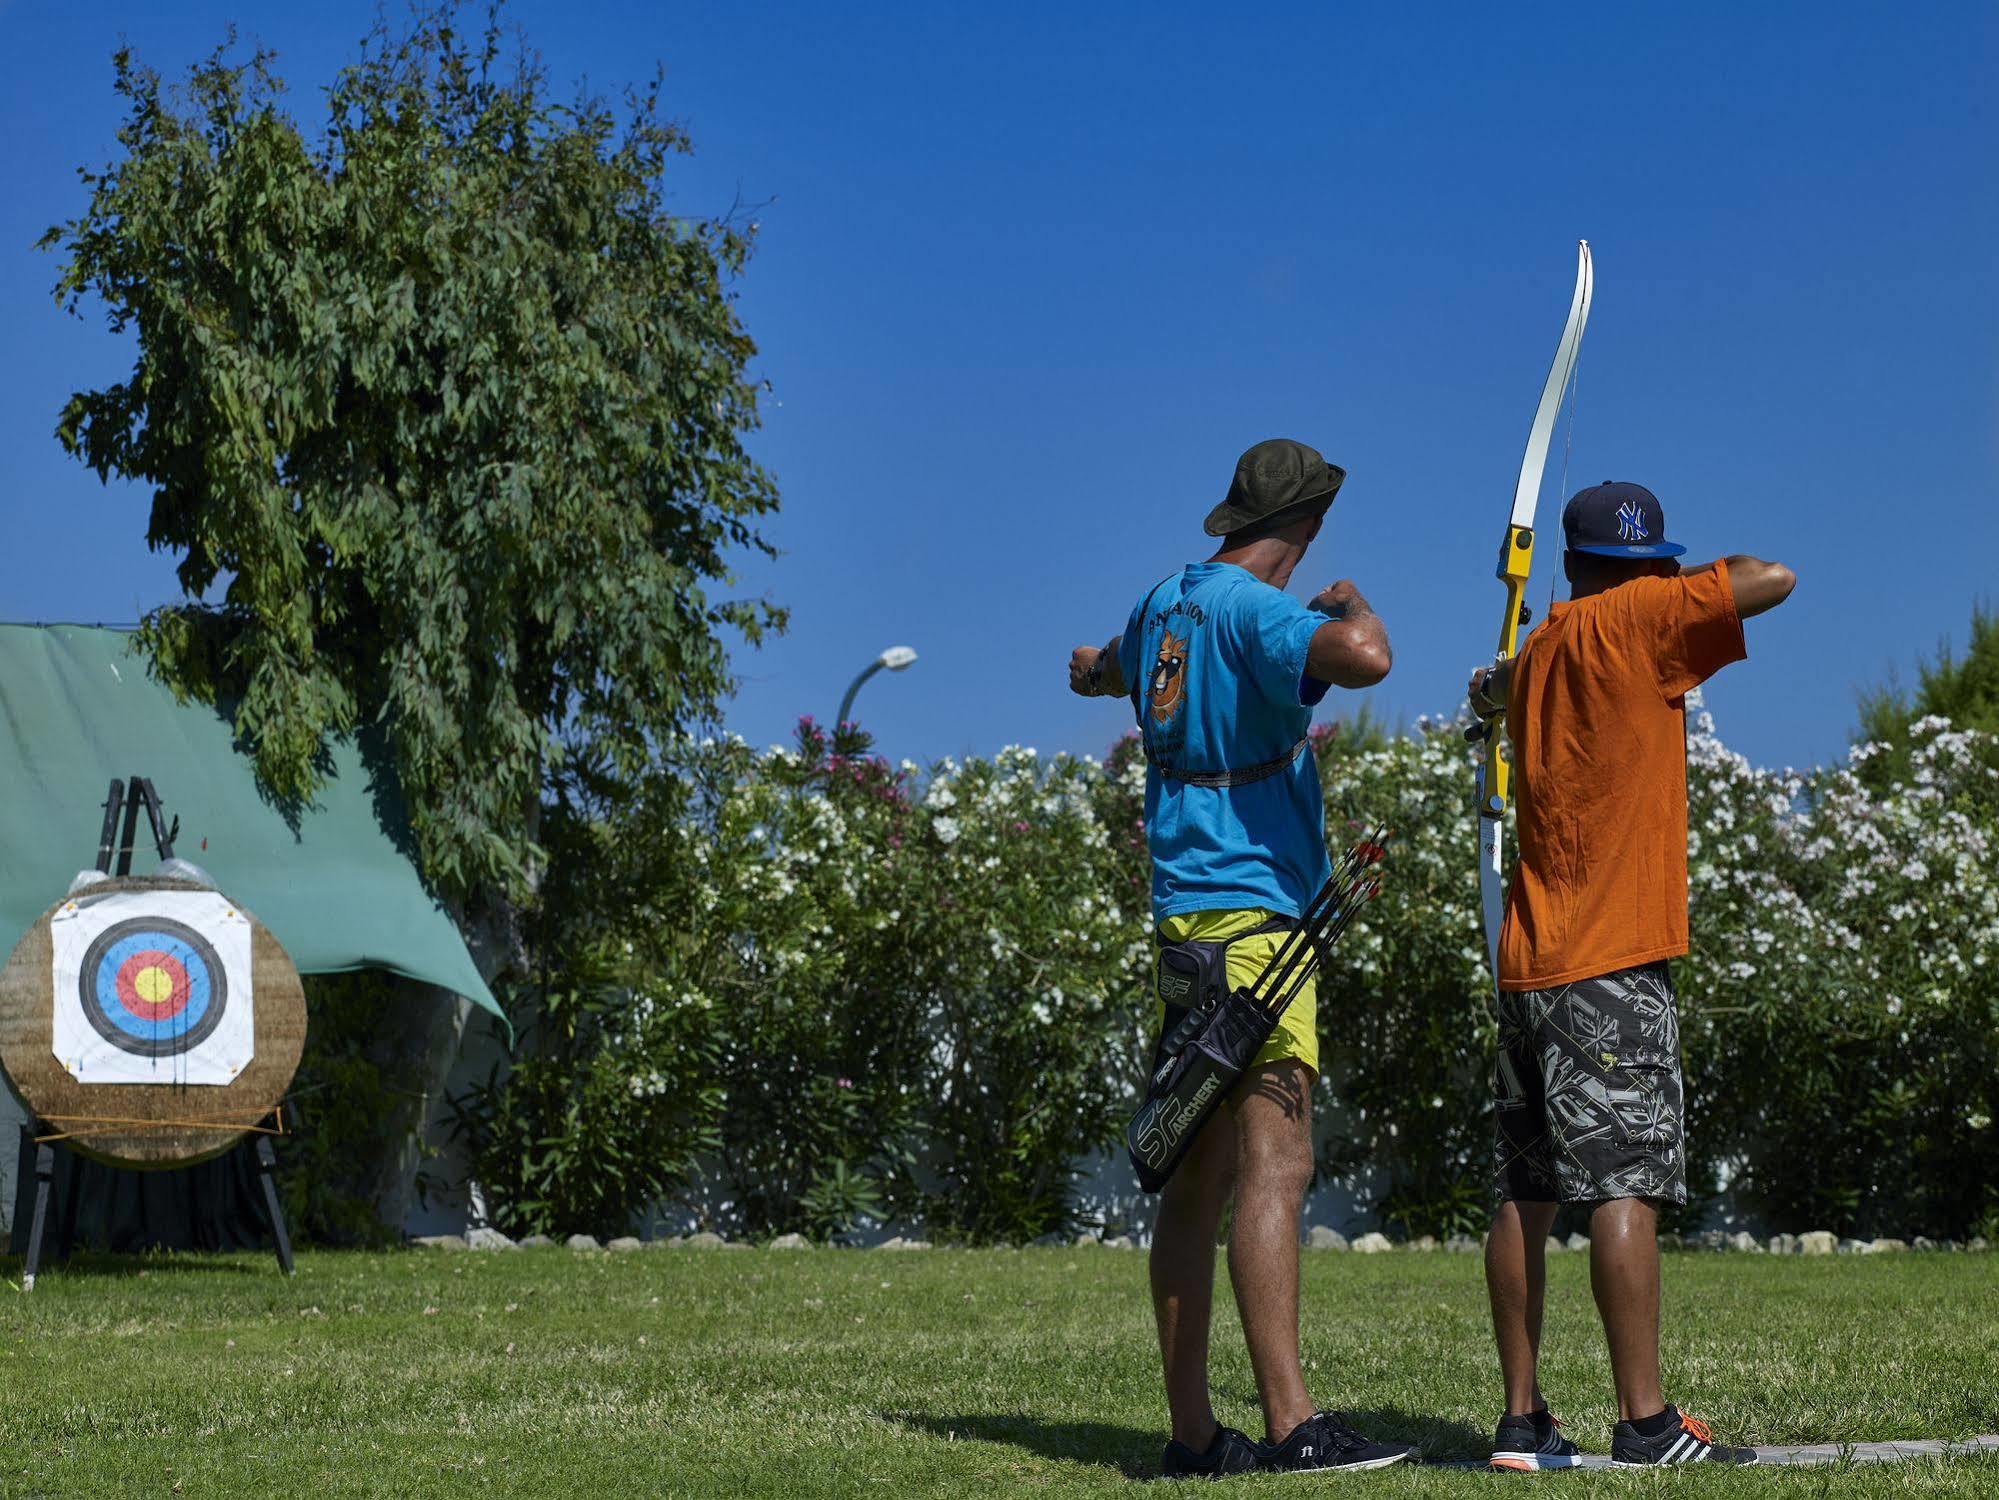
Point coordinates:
[(1597, 716)]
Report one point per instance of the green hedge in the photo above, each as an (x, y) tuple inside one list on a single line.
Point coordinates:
[(803, 989)]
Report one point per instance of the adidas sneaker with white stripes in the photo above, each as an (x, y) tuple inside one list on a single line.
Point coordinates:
[(1533, 1442), (1681, 1440)]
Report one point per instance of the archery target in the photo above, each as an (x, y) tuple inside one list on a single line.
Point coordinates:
[(152, 987)]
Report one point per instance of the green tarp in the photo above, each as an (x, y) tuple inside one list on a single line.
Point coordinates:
[(335, 885)]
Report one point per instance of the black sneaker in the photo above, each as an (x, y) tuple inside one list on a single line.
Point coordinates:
[(1324, 1441), (1686, 1440), (1231, 1452), (1532, 1442)]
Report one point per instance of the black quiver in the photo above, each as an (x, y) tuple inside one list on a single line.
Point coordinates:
[(1218, 1037)]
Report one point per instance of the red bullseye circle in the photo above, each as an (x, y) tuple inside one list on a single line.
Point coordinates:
[(153, 985)]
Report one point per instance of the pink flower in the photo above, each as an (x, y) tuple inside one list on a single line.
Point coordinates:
[(843, 1083), (1019, 826)]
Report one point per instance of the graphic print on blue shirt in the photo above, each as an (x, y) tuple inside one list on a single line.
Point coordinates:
[(1164, 726), (1218, 659)]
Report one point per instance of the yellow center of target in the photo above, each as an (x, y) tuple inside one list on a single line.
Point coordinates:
[(153, 985)]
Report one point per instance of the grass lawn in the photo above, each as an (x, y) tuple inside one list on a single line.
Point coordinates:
[(930, 1372)]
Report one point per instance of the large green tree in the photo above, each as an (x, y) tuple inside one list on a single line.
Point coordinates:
[(442, 408)]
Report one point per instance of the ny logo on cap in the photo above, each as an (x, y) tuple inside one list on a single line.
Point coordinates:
[(1630, 523)]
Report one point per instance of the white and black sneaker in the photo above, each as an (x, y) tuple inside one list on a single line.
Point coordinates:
[(1231, 1452), (1676, 1439), (1324, 1441), (1532, 1442)]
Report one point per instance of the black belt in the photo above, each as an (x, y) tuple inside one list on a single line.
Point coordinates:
[(1262, 771)]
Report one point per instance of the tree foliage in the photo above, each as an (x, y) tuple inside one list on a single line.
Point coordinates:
[(1963, 689), (447, 403)]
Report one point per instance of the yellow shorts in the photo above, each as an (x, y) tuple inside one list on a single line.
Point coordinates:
[(1297, 1034)]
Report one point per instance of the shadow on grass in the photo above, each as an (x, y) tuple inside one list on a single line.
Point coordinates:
[(1131, 1451), (1436, 1438), (1134, 1452), (85, 1264)]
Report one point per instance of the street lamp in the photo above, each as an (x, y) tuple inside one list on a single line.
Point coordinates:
[(896, 658)]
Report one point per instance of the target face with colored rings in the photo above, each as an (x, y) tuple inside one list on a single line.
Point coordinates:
[(153, 987)]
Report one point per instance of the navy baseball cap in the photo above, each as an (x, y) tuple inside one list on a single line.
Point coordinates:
[(1617, 520)]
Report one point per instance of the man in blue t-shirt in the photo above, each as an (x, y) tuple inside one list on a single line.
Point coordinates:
[(1223, 669)]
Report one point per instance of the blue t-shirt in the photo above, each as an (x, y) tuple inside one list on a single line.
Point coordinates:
[(1216, 658)]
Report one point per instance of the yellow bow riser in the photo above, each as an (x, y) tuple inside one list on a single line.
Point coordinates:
[(1516, 561)]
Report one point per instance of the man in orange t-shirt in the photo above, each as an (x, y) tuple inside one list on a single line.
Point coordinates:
[(1588, 1089)]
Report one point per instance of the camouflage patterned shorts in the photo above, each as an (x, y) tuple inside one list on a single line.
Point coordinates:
[(1588, 1092)]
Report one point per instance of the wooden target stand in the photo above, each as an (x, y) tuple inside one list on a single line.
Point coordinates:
[(145, 1126)]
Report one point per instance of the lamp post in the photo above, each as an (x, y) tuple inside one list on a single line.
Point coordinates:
[(896, 659)]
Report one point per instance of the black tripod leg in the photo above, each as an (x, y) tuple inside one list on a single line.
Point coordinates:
[(267, 1161), (45, 1171), (163, 836), (130, 831), (107, 841)]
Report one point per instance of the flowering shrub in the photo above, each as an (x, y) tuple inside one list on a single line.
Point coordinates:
[(615, 1086), (1405, 1014), (846, 991), (822, 990), (1036, 952), (1840, 1003), (1844, 986)]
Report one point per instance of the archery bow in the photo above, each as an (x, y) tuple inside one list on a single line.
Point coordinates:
[(1516, 560)]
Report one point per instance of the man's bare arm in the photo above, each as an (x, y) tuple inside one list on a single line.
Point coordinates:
[(1351, 649), (1757, 585), (1094, 671)]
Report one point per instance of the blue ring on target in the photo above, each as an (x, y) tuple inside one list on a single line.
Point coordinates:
[(153, 987)]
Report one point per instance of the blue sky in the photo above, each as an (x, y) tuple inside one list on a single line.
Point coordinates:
[(1030, 277)]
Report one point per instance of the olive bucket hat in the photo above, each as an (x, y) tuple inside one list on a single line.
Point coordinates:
[(1275, 475)]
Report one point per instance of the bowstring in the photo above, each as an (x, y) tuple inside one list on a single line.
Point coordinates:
[(1568, 447)]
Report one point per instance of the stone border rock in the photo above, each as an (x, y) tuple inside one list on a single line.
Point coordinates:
[(1317, 1237)]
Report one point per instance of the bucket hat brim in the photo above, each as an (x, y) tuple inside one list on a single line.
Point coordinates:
[(1232, 515), (1275, 476)]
